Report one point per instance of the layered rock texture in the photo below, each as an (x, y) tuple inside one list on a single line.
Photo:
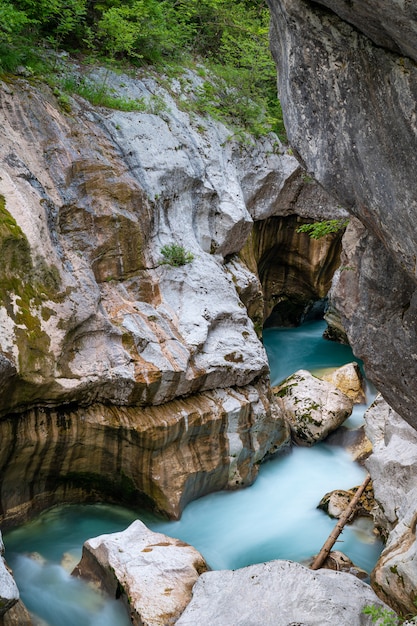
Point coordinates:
[(123, 376), (348, 85)]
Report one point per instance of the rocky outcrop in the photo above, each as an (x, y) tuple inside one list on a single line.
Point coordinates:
[(313, 407), (151, 573), (393, 466), (295, 270), (348, 85), (279, 593)]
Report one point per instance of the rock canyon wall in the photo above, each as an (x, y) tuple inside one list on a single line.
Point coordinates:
[(122, 376), (348, 85)]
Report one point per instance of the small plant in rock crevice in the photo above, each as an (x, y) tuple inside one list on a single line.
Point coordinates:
[(175, 255), (317, 230)]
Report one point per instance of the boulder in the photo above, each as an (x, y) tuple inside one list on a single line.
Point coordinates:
[(151, 573), (348, 379), (336, 502), (339, 562), (279, 593), (312, 407), (393, 467)]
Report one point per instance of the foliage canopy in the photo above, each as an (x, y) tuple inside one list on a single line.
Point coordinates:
[(230, 36)]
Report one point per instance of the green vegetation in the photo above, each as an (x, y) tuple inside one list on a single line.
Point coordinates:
[(175, 255), (386, 617), (228, 37), (317, 230)]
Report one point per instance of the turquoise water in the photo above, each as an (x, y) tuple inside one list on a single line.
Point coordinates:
[(274, 518), (290, 349)]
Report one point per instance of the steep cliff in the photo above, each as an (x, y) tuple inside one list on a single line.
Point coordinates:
[(348, 83)]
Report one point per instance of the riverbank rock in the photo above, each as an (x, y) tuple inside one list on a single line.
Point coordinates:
[(312, 407), (151, 573), (339, 562), (336, 502), (348, 379), (18, 615), (354, 440), (279, 593), (9, 593), (393, 467)]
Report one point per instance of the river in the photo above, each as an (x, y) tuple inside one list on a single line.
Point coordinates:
[(275, 518)]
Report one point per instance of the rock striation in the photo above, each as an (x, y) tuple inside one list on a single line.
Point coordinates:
[(158, 457), (348, 86)]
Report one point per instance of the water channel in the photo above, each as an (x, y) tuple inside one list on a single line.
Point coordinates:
[(276, 518)]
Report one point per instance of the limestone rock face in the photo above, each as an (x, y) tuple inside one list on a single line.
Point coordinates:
[(313, 407), (348, 87), (278, 593), (9, 593), (393, 467), (159, 457), (151, 573)]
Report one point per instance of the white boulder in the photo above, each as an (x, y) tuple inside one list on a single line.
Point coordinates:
[(313, 407)]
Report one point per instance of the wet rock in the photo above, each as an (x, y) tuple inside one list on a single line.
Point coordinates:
[(279, 593), (354, 440), (151, 573), (18, 615), (158, 457), (336, 502), (312, 407)]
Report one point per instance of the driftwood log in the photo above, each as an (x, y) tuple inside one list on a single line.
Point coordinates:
[(329, 543)]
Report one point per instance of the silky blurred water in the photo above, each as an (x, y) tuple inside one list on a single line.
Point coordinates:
[(275, 518)]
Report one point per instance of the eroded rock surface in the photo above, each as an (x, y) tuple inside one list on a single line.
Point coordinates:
[(312, 407), (152, 574), (160, 457), (279, 593)]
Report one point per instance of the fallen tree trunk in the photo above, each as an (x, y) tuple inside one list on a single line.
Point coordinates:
[(328, 545)]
